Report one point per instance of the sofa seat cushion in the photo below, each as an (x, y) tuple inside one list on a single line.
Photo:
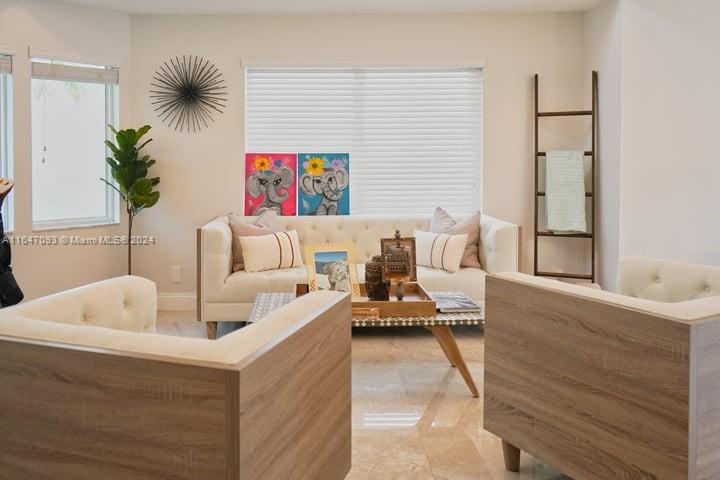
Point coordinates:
[(470, 281), (242, 286)]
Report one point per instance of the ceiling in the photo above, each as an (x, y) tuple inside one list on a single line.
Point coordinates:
[(336, 6)]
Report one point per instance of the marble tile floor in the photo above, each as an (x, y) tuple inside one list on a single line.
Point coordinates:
[(413, 417)]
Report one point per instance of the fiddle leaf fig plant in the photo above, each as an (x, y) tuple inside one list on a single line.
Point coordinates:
[(130, 171)]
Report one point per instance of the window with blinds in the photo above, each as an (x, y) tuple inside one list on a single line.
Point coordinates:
[(415, 136), (6, 134), (72, 104)]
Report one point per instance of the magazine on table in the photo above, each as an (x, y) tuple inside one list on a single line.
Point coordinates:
[(454, 302)]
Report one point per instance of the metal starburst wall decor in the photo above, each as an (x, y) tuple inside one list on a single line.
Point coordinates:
[(186, 92)]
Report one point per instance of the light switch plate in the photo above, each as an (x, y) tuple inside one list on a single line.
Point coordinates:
[(176, 274)]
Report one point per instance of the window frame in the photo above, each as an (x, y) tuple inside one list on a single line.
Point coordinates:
[(6, 145), (112, 201)]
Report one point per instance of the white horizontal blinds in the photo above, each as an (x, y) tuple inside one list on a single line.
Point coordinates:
[(47, 70), (5, 64), (414, 135)]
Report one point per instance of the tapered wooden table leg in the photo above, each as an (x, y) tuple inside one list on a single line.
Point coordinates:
[(211, 330), (446, 339), (512, 456)]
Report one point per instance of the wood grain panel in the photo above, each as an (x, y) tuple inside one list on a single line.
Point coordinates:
[(87, 414), (705, 407), (305, 406), (83, 415), (599, 391)]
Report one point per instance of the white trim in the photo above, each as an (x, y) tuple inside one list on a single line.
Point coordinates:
[(72, 224), (176, 302), (70, 57), (5, 50), (346, 62)]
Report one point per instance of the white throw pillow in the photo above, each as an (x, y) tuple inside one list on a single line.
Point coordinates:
[(271, 252), (439, 250)]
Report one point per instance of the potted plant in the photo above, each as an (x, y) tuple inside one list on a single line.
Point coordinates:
[(130, 172)]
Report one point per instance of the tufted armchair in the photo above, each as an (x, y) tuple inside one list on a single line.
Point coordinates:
[(607, 385), (224, 295), (89, 391)]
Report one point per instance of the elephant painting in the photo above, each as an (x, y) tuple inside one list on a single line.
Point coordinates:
[(269, 184), (324, 185)]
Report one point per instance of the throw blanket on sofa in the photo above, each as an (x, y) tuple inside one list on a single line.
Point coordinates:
[(565, 192)]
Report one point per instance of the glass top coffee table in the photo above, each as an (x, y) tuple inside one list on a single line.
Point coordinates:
[(439, 325)]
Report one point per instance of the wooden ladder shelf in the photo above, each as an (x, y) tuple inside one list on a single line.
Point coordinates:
[(591, 195)]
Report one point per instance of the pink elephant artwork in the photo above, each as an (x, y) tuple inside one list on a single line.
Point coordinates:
[(270, 183)]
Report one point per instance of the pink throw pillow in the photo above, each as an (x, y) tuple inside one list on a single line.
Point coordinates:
[(442, 222)]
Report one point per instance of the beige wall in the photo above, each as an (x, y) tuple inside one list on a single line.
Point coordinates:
[(602, 53), (72, 30), (670, 173), (202, 173)]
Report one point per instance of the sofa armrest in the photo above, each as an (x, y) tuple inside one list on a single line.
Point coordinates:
[(214, 259), (499, 245)]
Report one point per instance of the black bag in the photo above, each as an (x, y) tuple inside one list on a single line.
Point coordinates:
[(10, 293)]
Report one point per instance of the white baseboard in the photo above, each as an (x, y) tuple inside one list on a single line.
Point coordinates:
[(176, 302)]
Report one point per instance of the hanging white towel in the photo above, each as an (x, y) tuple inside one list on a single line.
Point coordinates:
[(565, 192)]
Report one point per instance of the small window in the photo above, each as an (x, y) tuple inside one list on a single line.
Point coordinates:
[(72, 104), (6, 134), (414, 135)]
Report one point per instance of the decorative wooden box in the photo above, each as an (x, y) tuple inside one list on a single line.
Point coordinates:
[(417, 302)]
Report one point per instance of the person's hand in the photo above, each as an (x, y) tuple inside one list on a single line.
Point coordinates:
[(5, 186)]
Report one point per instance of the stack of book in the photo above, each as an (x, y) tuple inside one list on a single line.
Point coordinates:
[(454, 302)]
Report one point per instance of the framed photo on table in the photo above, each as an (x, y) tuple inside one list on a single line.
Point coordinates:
[(332, 266)]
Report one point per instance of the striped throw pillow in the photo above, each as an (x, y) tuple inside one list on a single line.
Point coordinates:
[(439, 250), (271, 252)]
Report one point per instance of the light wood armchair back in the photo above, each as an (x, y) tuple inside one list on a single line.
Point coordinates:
[(599, 385), (83, 413)]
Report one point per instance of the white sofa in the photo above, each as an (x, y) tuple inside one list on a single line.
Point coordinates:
[(85, 379), (224, 295)]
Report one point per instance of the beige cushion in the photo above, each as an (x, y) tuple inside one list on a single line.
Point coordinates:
[(470, 281), (121, 303), (276, 251), (228, 350), (265, 224), (667, 280), (242, 286), (440, 250), (442, 222)]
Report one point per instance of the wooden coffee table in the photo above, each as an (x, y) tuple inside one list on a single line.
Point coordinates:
[(439, 325)]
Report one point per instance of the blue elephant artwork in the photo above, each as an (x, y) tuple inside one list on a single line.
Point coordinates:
[(323, 184)]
